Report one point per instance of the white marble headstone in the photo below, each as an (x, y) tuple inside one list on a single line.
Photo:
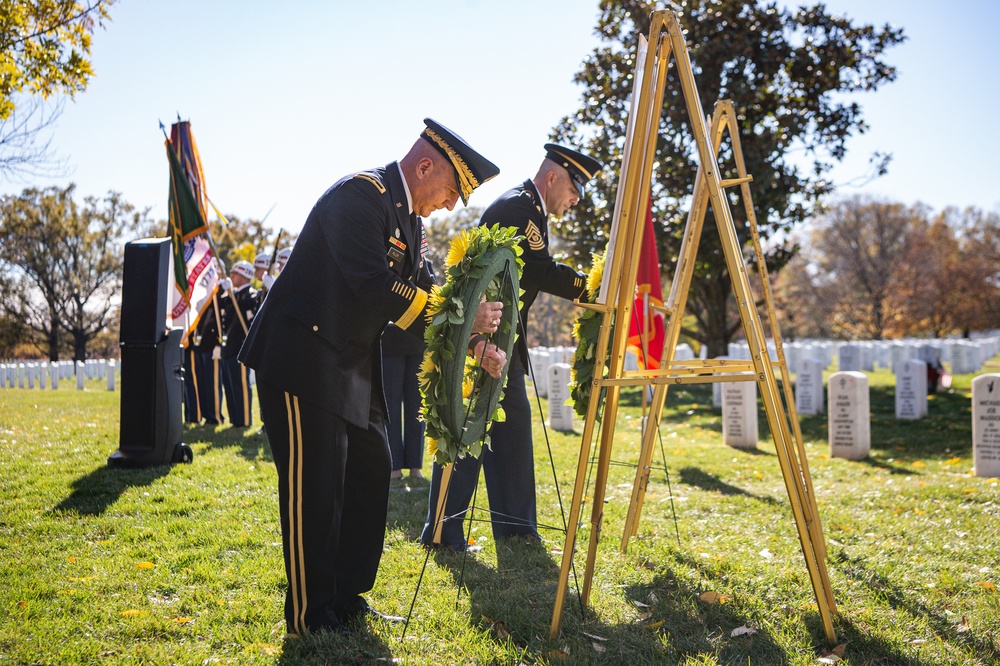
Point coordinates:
[(986, 425), (849, 358), (560, 407), (739, 414), (809, 387), (849, 420), (911, 390)]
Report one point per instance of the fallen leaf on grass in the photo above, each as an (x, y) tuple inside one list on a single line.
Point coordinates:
[(594, 636), (832, 656), (643, 617), (829, 659), (952, 461), (132, 612), (144, 565), (987, 585), (713, 597), (766, 554), (183, 620), (557, 654), (639, 604), (742, 631), (655, 625), (917, 641), (598, 647), (963, 626)]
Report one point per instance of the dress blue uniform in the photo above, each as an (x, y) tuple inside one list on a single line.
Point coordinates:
[(508, 464), (235, 375), (315, 346), (208, 367)]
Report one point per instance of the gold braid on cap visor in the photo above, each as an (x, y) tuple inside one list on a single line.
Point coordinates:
[(466, 181)]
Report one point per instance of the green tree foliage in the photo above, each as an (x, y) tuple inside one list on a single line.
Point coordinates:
[(790, 75), (45, 47), (63, 263)]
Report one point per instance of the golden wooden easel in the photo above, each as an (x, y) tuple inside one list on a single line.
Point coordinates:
[(616, 301)]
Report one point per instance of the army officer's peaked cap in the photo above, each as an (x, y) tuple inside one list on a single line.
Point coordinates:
[(581, 167), (471, 168)]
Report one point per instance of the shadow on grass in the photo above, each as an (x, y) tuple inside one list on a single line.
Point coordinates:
[(360, 647), (251, 441), (906, 601), (693, 476), (95, 491)]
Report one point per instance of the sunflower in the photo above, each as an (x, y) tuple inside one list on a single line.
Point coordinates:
[(459, 246), (596, 275)]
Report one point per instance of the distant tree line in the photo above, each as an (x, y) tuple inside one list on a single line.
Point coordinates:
[(61, 268)]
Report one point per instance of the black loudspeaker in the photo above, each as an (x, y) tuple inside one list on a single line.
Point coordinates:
[(152, 391), (145, 281)]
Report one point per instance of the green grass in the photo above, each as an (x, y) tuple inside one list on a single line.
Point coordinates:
[(182, 564)]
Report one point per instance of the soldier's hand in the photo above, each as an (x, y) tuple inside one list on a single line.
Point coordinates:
[(487, 317), (226, 285), (491, 358)]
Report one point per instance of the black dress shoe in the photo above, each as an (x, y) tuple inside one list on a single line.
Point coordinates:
[(376, 615), (357, 617)]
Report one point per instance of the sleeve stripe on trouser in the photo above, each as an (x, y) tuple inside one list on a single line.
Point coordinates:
[(245, 378), (296, 554)]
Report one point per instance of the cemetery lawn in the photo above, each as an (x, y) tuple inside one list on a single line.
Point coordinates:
[(183, 564)]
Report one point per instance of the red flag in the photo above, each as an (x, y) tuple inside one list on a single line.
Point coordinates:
[(646, 331)]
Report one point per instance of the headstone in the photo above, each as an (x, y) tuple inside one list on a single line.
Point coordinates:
[(849, 420), (809, 387), (717, 389), (54, 374), (29, 374), (560, 409), (111, 374), (80, 375), (986, 425), (911, 390), (42, 369), (899, 355), (739, 414), (20, 375), (849, 358), (683, 352), (539, 372), (867, 357)]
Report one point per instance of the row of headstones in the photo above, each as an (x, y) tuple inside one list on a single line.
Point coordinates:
[(849, 422), (966, 355), (848, 406), (29, 374), (541, 358)]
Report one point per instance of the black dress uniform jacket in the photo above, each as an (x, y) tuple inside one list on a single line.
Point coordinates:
[(509, 464), (315, 345), (357, 265), (521, 207)]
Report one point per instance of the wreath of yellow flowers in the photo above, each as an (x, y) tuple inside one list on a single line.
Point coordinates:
[(586, 330), (459, 398)]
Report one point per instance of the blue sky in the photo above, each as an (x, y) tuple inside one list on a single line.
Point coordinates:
[(285, 98)]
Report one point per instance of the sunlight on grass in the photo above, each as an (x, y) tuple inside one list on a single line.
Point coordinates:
[(183, 564)]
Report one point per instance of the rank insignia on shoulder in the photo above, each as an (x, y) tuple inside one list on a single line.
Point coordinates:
[(534, 236), (373, 179)]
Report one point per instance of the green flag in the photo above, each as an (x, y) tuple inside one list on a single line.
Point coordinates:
[(186, 220)]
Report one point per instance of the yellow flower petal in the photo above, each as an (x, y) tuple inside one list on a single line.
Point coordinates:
[(457, 249)]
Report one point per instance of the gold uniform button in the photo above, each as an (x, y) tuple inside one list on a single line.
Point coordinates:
[(315, 328)]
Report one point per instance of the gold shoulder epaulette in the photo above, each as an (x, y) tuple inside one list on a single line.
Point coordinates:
[(373, 179)]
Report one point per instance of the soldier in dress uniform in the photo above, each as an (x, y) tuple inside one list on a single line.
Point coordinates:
[(315, 347), (282, 258), (236, 319), (208, 362), (192, 403), (509, 462), (261, 270)]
